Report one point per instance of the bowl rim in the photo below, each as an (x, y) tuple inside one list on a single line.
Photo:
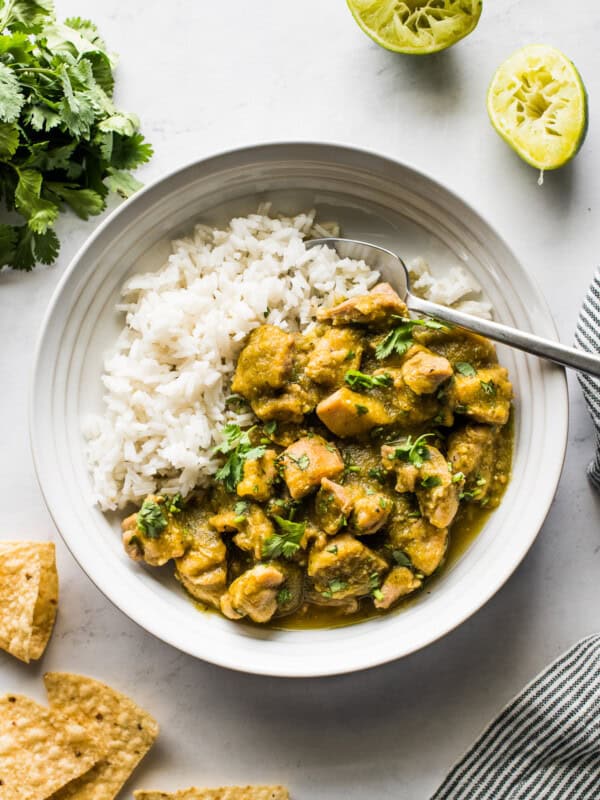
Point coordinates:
[(560, 407)]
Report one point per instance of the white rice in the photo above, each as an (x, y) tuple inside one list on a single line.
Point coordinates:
[(168, 377)]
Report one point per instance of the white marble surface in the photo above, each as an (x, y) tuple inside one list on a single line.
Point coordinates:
[(209, 76)]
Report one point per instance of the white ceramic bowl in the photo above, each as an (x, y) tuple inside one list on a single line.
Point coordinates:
[(377, 200)]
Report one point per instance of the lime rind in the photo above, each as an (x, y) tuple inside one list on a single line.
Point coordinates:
[(538, 104), (416, 27)]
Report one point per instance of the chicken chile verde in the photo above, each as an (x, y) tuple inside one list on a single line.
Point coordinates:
[(376, 437)]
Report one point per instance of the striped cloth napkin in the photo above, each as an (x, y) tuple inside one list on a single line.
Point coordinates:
[(545, 745), (587, 337)]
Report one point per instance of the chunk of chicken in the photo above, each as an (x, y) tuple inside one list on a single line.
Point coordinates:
[(422, 542), (226, 521), (433, 482), (258, 476), (203, 568), (344, 568), (333, 505), (335, 352), (289, 406), (400, 582), (149, 544), (265, 362), (485, 397), (409, 407), (472, 452), (424, 371), (253, 594), (458, 344), (347, 413), (437, 492), (307, 462), (254, 530), (373, 308), (371, 512), (406, 473)]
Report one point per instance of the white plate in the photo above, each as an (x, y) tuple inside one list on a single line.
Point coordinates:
[(374, 199)]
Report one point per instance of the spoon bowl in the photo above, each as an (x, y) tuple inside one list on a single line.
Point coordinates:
[(393, 270)]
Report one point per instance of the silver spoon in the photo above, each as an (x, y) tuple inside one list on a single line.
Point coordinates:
[(393, 270)]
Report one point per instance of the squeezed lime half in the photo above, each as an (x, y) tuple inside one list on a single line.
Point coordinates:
[(417, 27), (538, 104)]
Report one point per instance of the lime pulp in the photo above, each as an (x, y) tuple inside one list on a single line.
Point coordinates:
[(538, 104), (416, 27)]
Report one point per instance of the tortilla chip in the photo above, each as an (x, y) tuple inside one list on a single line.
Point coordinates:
[(28, 597), (128, 729), (20, 573), (222, 793), (46, 607), (40, 749)]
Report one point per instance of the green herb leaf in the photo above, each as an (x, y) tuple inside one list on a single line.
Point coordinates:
[(355, 378), (374, 582), (286, 543), (11, 95), (175, 504), (283, 596), (466, 369), (9, 139), (238, 448), (488, 387), (429, 481), (377, 473), (399, 339), (302, 462), (416, 452), (361, 410), (401, 559), (337, 585), (150, 519)]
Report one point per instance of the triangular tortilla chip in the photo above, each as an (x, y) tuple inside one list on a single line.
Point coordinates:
[(129, 731), (40, 749), (222, 793), (20, 574), (46, 607), (28, 597)]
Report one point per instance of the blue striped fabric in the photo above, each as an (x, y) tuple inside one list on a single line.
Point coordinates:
[(587, 337), (545, 745)]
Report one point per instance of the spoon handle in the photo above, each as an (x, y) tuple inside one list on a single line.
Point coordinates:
[(544, 348)]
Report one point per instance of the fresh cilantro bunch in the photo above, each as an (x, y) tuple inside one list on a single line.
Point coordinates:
[(63, 143)]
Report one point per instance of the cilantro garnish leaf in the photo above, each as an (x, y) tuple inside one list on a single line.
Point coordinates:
[(401, 559), (286, 543), (429, 481), (416, 453), (466, 369), (150, 519), (488, 387), (238, 448), (357, 379), (399, 340)]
